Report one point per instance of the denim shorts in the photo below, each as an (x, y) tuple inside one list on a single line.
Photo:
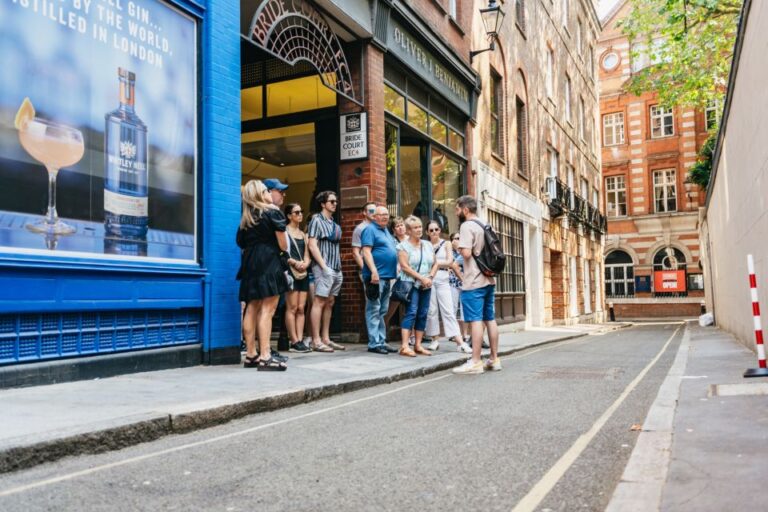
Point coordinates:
[(478, 304)]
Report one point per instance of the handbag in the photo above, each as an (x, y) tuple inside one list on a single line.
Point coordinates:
[(298, 275), (401, 291)]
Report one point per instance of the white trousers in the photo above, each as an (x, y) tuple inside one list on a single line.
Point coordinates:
[(441, 304), (456, 292)]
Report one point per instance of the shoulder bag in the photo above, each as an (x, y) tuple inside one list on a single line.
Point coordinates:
[(401, 291), (297, 274)]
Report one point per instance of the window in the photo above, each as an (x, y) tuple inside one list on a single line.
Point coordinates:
[(417, 117), (497, 115), (585, 189), (579, 28), (550, 83), (570, 176), (610, 61), (394, 102), (510, 231), (640, 58), (662, 122), (595, 198), (665, 190), (447, 186), (582, 131), (669, 258), (521, 117), (712, 114), (391, 136), (586, 283), (615, 196), (619, 275), (520, 14), (564, 14), (553, 162), (613, 129), (452, 8), (591, 55), (568, 99)]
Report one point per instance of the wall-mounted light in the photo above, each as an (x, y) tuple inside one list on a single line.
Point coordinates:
[(492, 17)]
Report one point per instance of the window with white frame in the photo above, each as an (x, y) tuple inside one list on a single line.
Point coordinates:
[(640, 59), (619, 275), (595, 198), (550, 83), (665, 190), (582, 127), (571, 176), (615, 196), (568, 99), (586, 283), (712, 114), (553, 162), (613, 129), (584, 189), (452, 8), (662, 122)]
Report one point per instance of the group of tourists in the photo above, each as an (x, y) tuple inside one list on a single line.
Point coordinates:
[(430, 282)]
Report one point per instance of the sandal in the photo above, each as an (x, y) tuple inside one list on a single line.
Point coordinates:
[(407, 352), (334, 346), (270, 365), (422, 351), (321, 347), (251, 362)]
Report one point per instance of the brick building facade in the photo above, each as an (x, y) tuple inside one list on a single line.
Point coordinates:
[(652, 248)]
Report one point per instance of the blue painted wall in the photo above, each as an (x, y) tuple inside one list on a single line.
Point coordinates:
[(32, 285)]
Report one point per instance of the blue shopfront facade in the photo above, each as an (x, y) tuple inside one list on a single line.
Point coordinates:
[(125, 137), (66, 295)]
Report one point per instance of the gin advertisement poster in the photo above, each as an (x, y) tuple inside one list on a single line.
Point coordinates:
[(98, 125)]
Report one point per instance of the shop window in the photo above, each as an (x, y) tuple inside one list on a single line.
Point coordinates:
[(456, 141), (447, 186), (417, 117), (394, 102), (438, 130), (390, 148), (619, 275), (510, 231), (521, 117), (414, 190), (695, 281)]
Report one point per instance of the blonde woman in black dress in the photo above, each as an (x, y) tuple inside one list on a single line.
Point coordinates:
[(261, 237)]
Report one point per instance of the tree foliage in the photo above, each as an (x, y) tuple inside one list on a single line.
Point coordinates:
[(702, 169), (688, 46)]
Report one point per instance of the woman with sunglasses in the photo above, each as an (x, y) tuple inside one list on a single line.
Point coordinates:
[(298, 259), (441, 301)]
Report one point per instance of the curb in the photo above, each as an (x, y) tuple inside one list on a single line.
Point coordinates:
[(100, 441)]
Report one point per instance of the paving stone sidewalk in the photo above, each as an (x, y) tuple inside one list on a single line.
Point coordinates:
[(45, 423)]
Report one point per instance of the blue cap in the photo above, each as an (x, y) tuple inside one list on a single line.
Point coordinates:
[(274, 183)]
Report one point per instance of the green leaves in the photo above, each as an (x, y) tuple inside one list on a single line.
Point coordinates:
[(685, 47), (702, 169)]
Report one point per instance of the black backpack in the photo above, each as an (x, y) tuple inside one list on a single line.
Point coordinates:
[(491, 259)]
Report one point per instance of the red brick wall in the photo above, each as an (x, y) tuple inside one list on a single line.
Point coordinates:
[(627, 311)]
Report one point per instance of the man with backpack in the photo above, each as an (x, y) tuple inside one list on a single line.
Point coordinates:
[(483, 258)]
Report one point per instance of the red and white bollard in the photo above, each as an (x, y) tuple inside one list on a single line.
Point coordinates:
[(762, 371)]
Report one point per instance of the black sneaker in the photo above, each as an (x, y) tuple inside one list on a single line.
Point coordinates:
[(300, 347), (390, 349), (277, 357)]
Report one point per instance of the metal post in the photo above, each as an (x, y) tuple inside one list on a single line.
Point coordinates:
[(762, 371)]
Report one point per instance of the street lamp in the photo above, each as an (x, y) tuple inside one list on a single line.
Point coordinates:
[(492, 17)]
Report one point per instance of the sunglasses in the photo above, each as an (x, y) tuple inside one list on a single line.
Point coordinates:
[(332, 201), (434, 230), (297, 212)]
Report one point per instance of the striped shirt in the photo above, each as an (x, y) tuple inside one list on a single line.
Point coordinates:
[(328, 236)]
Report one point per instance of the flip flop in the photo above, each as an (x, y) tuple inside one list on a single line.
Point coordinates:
[(321, 348)]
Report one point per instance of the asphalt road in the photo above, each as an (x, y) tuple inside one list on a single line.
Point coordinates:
[(554, 429)]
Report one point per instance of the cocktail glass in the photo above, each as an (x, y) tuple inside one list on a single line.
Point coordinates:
[(55, 146)]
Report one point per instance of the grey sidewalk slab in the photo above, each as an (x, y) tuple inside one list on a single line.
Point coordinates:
[(699, 452), (47, 422)]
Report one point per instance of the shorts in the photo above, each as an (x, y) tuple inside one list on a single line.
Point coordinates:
[(327, 285), (478, 304), (301, 285)]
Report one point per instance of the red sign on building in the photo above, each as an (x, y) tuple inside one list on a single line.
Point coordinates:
[(669, 281)]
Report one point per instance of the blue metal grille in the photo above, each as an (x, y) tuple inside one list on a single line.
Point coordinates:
[(45, 336)]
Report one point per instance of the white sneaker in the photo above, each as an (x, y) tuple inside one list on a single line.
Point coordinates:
[(469, 368), (493, 365), (463, 348), (432, 345)]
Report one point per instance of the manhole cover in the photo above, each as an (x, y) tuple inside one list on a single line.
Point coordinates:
[(577, 373)]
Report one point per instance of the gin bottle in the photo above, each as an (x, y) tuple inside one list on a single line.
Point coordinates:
[(126, 213)]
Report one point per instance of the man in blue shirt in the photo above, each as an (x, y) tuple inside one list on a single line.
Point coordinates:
[(380, 257)]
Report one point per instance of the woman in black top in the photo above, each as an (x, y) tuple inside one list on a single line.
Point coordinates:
[(298, 259), (261, 237)]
